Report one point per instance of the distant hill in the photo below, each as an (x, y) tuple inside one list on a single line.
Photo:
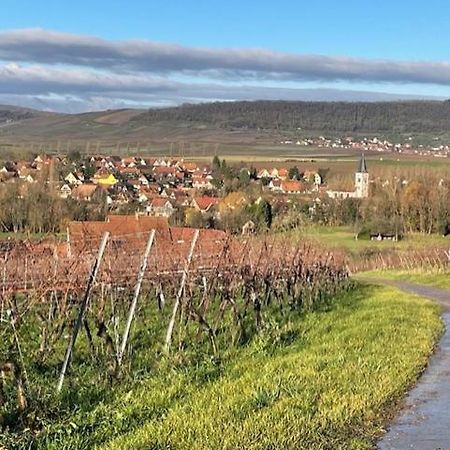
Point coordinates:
[(10, 114), (405, 116), (229, 122)]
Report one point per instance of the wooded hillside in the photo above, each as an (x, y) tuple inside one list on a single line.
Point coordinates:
[(413, 116)]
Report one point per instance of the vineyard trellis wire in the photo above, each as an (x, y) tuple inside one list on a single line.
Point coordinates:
[(208, 286)]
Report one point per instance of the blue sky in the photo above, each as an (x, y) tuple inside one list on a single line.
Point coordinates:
[(385, 31)]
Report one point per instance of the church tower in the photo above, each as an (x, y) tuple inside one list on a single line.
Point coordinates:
[(362, 179)]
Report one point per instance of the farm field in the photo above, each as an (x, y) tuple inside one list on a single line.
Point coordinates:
[(344, 238), (301, 384)]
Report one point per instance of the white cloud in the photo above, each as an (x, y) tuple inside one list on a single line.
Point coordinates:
[(49, 47), (90, 72)]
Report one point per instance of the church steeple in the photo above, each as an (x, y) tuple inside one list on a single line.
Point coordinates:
[(362, 179), (362, 167)]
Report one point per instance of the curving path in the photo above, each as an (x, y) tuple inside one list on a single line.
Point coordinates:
[(424, 421)]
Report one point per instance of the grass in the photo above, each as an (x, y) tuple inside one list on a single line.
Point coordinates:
[(433, 278), (344, 238), (328, 379)]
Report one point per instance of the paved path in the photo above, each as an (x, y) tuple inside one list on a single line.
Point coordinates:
[(424, 422)]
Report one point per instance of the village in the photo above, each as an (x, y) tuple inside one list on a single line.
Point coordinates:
[(159, 186), (373, 144)]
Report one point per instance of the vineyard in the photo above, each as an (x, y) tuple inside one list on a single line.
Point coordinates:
[(435, 259), (117, 305)]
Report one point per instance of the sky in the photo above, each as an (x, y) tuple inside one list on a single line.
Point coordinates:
[(89, 55)]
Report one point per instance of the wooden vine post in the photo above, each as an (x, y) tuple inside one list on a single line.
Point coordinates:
[(83, 308), (137, 290), (180, 292)]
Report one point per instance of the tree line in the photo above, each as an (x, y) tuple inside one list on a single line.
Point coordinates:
[(36, 208), (420, 206), (405, 116)]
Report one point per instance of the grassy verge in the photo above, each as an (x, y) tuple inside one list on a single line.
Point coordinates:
[(332, 387), (419, 276)]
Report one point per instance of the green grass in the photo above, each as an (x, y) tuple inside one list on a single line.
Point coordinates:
[(344, 238), (433, 278), (333, 387)]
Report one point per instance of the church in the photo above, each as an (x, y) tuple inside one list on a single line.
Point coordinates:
[(361, 183)]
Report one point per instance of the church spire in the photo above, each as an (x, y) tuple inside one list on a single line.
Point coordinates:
[(362, 167)]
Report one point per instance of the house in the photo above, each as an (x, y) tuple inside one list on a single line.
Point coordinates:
[(73, 179), (46, 160), (189, 167), (86, 192), (164, 171), (130, 233), (129, 162), (202, 181), (292, 187), (275, 185), (122, 197), (283, 173), (65, 191), (263, 173), (143, 180), (29, 175), (145, 196), (105, 178), (120, 227), (312, 176), (384, 237), (130, 172), (160, 207), (274, 173), (179, 196), (42, 160), (134, 184), (204, 204)]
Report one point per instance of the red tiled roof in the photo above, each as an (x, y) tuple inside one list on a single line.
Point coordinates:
[(117, 225), (292, 186), (159, 202), (130, 171), (83, 191), (205, 203), (189, 166), (163, 170)]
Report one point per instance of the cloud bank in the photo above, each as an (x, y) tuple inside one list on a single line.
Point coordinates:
[(43, 63)]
